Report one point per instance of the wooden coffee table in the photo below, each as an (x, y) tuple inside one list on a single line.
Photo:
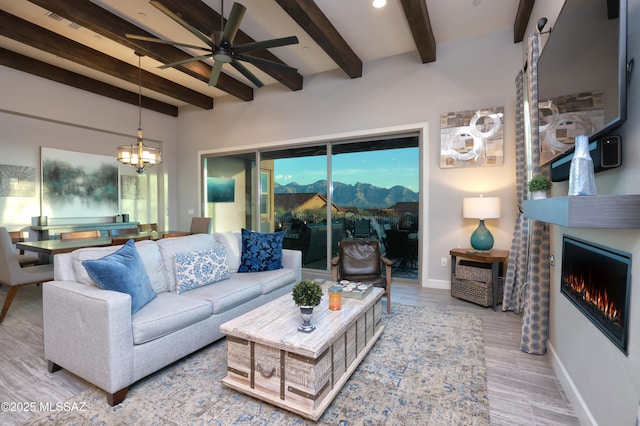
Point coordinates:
[(269, 359)]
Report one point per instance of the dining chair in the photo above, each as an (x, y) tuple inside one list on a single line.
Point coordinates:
[(125, 231), (24, 259), (201, 225), (77, 235), (148, 227), (15, 276), (118, 241)]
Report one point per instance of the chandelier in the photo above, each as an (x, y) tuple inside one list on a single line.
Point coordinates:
[(138, 155)]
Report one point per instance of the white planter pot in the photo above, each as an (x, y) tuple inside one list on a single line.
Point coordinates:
[(538, 195)]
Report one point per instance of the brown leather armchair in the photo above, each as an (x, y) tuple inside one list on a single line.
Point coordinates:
[(360, 260)]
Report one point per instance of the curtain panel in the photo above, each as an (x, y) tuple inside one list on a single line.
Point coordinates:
[(527, 284)]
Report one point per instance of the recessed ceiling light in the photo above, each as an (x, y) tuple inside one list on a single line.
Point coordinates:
[(476, 2), (379, 3)]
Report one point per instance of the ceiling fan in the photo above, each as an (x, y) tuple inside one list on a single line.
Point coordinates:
[(220, 45)]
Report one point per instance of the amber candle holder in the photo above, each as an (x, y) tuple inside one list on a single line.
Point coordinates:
[(335, 298)]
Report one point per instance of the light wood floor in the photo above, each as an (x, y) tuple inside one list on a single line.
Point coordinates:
[(523, 389)]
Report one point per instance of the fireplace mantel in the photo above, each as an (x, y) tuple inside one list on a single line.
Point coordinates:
[(600, 211)]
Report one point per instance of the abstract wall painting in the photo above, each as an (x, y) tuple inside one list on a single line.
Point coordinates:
[(472, 138), (17, 181), (78, 184), (220, 190)]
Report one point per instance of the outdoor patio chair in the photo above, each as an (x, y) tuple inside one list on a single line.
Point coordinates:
[(360, 260)]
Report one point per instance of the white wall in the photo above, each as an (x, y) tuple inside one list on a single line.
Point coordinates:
[(601, 381), (393, 92), (35, 112)]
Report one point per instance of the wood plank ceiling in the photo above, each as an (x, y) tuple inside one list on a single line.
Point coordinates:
[(306, 13)]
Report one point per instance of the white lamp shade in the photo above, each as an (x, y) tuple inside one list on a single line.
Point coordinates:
[(481, 207)]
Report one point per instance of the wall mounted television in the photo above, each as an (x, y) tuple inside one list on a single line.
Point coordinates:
[(582, 83)]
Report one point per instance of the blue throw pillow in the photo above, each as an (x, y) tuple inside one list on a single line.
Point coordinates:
[(261, 252), (123, 271)]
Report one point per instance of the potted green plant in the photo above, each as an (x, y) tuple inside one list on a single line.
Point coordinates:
[(307, 294), (538, 186)]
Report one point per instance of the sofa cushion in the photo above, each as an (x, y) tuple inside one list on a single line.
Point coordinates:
[(123, 271), (148, 251), (166, 314), (199, 268), (261, 251), (170, 246), (227, 294), (268, 280), (232, 241)]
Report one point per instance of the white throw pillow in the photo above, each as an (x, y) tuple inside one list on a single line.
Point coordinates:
[(233, 242)]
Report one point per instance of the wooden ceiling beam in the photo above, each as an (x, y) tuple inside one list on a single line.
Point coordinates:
[(27, 33), (522, 19), (417, 16), (51, 72), (105, 23), (309, 16), (207, 20)]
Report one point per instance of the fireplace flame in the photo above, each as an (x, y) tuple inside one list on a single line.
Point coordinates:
[(596, 297)]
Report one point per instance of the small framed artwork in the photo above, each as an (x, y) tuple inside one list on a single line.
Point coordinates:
[(17, 181), (472, 138), (133, 187), (220, 190)]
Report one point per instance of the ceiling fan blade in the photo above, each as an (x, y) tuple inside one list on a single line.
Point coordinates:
[(265, 62), (184, 61), (182, 22), (250, 76), (215, 73), (233, 23), (173, 43), (267, 44)]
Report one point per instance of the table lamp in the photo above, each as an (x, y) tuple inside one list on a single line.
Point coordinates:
[(481, 208)]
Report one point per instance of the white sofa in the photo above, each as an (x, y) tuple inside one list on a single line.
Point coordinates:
[(92, 333)]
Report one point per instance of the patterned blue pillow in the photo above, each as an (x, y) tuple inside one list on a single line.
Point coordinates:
[(261, 252), (123, 271), (200, 268)]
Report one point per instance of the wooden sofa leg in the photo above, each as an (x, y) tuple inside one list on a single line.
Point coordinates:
[(53, 367), (117, 397)]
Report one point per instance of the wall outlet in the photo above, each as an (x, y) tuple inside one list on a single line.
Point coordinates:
[(191, 212), (443, 261)]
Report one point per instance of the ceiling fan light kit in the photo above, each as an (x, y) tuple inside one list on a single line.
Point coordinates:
[(220, 45)]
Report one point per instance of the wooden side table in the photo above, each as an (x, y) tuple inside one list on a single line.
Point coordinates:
[(493, 256)]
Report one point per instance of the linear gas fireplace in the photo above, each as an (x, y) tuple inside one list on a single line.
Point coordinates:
[(597, 280)]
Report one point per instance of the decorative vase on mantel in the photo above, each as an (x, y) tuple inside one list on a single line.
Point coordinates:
[(306, 312), (581, 174)]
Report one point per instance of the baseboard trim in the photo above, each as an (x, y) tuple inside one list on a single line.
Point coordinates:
[(439, 284), (570, 389)]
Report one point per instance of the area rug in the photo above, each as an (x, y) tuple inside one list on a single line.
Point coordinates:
[(427, 368)]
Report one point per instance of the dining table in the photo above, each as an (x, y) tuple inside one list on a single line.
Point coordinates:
[(58, 246)]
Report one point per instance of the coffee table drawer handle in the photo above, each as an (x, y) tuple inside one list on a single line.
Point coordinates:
[(264, 373)]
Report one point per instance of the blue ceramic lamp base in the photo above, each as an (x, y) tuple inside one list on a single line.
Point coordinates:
[(481, 239)]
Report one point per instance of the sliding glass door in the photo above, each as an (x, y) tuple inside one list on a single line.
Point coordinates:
[(300, 201), (322, 194)]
